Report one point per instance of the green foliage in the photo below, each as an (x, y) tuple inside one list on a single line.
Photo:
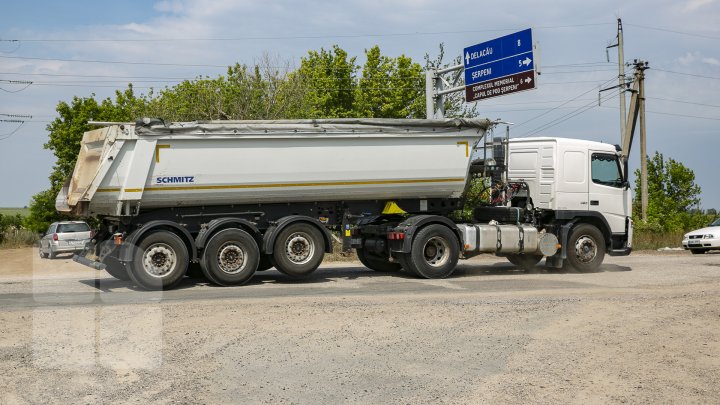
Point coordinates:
[(330, 77), (673, 197)]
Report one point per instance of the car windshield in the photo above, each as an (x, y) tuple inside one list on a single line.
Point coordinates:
[(716, 222), (70, 228)]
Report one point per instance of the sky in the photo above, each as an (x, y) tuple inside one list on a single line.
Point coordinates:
[(58, 46)]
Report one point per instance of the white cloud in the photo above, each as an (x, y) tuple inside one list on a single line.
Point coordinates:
[(693, 5), (711, 61)]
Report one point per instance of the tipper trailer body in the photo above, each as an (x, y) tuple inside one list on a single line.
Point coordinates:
[(235, 197)]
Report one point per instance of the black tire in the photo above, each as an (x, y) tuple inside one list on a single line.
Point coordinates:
[(265, 262), (524, 261), (435, 252), (40, 252), (586, 248), (231, 257), (194, 271), (160, 262), (377, 263), (698, 251), (115, 268), (299, 249)]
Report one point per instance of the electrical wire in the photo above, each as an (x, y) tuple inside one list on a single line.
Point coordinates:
[(686, 74), (683, 102), (563, 104), (288, 37), (8, 135), (570, 115), (645, 27)]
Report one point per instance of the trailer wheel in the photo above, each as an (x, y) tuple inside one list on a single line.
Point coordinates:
[(434, 253), (377, 263), (115, 268), (586, 248), (524, 261), (299, 249), (160, 262), (231, 257)]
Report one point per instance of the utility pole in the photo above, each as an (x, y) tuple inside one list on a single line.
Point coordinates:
[(621, 72), (640, 67), (635, 113)]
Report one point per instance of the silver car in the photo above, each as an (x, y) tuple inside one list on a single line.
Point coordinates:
[(65, 237)]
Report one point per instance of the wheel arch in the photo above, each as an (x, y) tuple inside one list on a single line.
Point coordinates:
[(270, 236), (411, 226), (127, 249), (217, 225)]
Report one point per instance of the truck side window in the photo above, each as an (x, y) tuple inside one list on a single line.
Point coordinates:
[(606, 170)]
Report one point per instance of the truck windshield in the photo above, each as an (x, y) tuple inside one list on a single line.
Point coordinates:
[(606, 170), (70, 228)]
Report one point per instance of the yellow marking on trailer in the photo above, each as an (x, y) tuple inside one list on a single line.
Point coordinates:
[(133, 190), (108, 190), (278, 185), (157, 151), (467, 147), (391, 207)]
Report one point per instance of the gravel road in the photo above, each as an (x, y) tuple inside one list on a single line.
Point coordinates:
[(645, 328)]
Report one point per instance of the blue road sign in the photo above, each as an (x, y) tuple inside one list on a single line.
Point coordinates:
[(498, 48), (499, 68), (501, 57)]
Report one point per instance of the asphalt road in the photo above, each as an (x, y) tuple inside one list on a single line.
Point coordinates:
[(644, 328)]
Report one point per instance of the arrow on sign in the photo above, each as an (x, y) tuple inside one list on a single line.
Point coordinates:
[(467, 58), (527, 61), (528, 80)]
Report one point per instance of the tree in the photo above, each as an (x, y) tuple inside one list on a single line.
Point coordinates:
[(673, 196), (330, 78), (390, 87), (66, 132)]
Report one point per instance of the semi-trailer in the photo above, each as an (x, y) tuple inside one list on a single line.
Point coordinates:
[(236, 197)]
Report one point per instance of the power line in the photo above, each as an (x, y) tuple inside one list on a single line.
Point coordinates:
[(566, 102), (683, 102), (287, 37), (111, 62), (693, 34), (675, 114), (570, 115), (9, 134), (25, 82), (686, 74)]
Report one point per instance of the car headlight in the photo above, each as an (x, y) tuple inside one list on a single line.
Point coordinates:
[(708, 236)]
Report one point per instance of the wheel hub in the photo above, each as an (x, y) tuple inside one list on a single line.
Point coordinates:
[(436, 252), (158, 260), (585, 249), (231, 258), (299, 248)]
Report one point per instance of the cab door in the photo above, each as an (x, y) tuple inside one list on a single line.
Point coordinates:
[(606, 189)]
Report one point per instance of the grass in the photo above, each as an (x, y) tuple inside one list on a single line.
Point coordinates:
[(18, 238), (13, 211), (647, 240)]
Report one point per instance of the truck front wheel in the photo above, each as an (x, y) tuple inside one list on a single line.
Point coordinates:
[(160, 262), (230, 257), (434, 253), (299, 249), (585, 248)]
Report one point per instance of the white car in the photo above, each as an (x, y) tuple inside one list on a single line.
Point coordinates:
[(702, 240)]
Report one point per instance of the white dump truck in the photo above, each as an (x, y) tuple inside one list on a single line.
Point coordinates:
[(235, 197)]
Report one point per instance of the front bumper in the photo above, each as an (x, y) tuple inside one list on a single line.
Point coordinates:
[(713, 243)]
